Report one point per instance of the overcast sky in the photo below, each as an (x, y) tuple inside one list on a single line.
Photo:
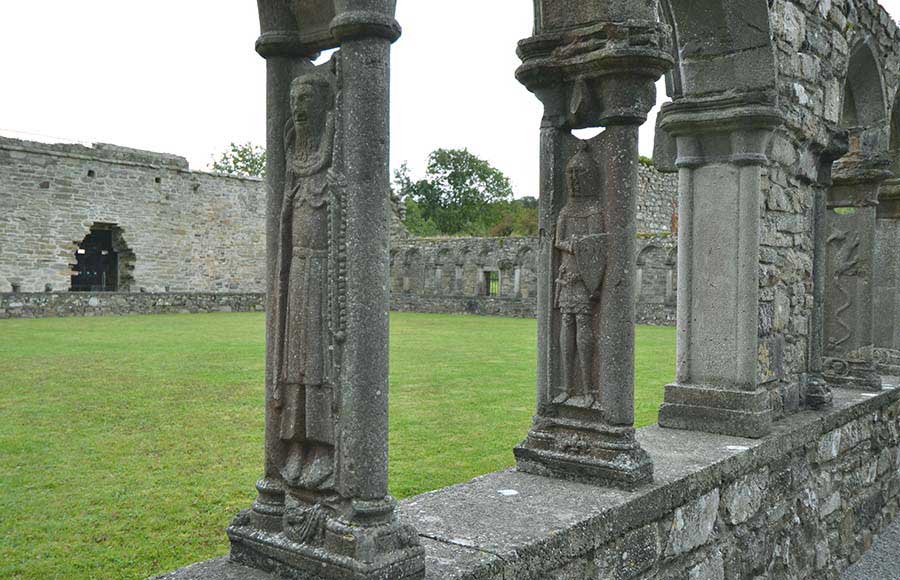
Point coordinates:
[(180, 76)]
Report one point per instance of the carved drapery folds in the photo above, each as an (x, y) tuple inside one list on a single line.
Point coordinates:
[(589, 72), (323, 508)]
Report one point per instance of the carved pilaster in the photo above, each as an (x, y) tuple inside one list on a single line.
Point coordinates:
[(887, 279), (817, 392), (721, 146), (589, 72), (850, 250), (323, 509)]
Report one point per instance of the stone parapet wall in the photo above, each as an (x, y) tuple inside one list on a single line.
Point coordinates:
[(188, 231), (805, 502), (59, 304)]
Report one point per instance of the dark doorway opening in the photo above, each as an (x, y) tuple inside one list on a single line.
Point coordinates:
[(101, 261)]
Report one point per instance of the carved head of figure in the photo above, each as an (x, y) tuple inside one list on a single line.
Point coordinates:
[(312, 96), (582, 177)]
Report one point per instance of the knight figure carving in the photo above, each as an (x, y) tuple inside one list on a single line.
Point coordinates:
[(580, 240)]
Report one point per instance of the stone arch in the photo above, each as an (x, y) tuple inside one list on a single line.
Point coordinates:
[(719, 46), (863, 106), (412, 271)]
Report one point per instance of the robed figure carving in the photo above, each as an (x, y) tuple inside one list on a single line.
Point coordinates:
[(580, 239), (305, 381)]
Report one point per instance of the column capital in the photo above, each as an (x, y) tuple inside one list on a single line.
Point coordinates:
[(360, 24), (599, 74), (857, 180), (734, 129), (889, 199)]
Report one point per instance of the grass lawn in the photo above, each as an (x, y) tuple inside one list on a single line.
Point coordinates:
[(127, 444)]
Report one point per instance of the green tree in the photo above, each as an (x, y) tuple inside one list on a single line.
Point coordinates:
[(460, 194), (246, 159)]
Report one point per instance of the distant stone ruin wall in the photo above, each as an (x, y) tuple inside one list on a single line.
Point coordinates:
[(62, 304), (453, 276), (188, 231), (657, 204)]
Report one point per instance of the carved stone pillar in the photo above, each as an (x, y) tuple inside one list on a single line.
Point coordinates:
[(589, 71), (817, 392), (323, 509), (850, 258), (887, 279), (721, 148)]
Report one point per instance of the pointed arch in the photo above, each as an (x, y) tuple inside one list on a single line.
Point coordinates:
[(719, 46)]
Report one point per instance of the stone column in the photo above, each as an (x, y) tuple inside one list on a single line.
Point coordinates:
[(721, 149), (323, 509), (849, 277), (817, 392), (589, 72), (887, 279)]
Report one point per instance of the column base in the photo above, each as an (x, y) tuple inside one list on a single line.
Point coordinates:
[(716, 410), (332, 550), (816, 392), (588, 453), (861, 375)]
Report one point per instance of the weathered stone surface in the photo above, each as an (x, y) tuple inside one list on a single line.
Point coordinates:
[(57, 304), (693, 524), (189, 231), (449, 276), (592, 65), (323, 510), (743, 498)]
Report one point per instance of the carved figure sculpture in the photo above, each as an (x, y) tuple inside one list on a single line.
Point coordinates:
[(580, 239), (306, 392)]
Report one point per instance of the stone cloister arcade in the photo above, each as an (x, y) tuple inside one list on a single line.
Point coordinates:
[(780, 132)]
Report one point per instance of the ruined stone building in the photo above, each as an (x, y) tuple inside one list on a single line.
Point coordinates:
[(113, 230), (498, 276), (78, 222)]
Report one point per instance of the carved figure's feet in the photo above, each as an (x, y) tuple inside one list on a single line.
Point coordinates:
[(319, 470)]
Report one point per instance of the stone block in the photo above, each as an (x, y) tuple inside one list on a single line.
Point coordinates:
[(692, 524), (743, 498)]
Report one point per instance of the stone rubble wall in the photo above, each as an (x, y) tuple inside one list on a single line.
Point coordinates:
[(802, 503), (61, 304), (447, 275), (813, 42), (190, 231), (657, 204), (200, 232)]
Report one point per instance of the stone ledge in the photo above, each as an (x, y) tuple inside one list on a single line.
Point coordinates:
[(514, 525)]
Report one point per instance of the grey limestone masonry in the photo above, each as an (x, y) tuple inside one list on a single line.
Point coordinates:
[(55, 304), (451, 275), (186, 231), (204, 233)]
